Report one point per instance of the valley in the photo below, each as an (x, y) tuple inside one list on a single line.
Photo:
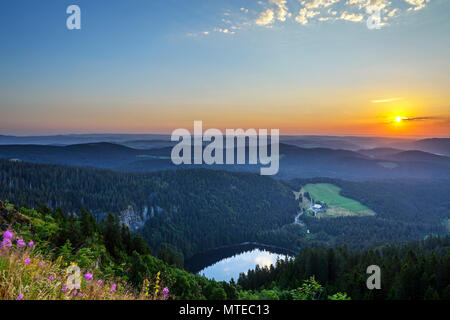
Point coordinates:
[(207, 219)]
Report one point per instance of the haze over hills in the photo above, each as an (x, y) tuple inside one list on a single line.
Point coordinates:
[(68, 139), (149, 141), (295, 162), (439, 146)]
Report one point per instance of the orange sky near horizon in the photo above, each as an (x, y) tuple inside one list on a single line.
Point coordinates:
[(357, 116), (155, 69)]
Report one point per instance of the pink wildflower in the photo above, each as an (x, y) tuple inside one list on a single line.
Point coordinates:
[(113, 288), (27, 261), (99, 282), (20, 297), (88, 276), (31, 243), (64, 288), (6, 243), (38, 278), (51, 278), (41, 264), (8, 235), (21, 243)]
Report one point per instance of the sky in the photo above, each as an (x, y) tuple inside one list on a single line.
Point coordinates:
[(152, 66)]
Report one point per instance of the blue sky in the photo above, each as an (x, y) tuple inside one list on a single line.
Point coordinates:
[(151, 66)]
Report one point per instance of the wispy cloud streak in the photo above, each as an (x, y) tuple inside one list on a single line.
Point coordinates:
[(386, 100)]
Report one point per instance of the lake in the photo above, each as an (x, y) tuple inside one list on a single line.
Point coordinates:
[(223, 264)]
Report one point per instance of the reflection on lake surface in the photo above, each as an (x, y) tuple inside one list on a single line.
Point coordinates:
[(227, 263)]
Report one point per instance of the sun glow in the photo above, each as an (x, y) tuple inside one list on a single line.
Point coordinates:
[(399, 119)]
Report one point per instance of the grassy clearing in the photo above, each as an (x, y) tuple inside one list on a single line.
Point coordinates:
[(334, 212), (338, 205)]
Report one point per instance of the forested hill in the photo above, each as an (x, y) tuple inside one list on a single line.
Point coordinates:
[(406, 210), (110, 252), (414, 271), (191, 210)]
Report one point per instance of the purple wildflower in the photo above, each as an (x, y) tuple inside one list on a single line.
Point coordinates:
[(41, 264), (21, 243), (99, 282), (6, 243), (31, 243), (64, 288), (51, 278), (20, 297), (38, 278), (113, 288), (27, 261), (166, 293), (88, 276), (8, 235)]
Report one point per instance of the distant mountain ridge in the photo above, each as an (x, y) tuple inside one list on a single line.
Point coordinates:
[(294, 161), (439, 146)]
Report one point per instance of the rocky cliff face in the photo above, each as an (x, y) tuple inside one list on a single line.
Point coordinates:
[(135, 218), (132, 217)]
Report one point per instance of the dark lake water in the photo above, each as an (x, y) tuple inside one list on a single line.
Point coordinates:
[(226, 263)]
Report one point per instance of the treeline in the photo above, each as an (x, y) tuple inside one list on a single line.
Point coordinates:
[(191, 210), (406, 210), (418, 270)]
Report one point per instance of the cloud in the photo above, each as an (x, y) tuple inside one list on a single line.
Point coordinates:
[(282, 10), (304, 15), (362, 4), (386, 100), (315, 4), (353, 17), (225, 30), (265, 18), (417, 4), (422, 118), (392, 13), (313, 10)]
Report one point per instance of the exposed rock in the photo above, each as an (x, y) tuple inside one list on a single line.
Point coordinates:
[(134, 219)]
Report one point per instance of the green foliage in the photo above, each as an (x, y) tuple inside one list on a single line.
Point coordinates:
[(310, 290), (192, 210), (339, 296), (418, 270), (415, 271), (112, 250), (406, 210)]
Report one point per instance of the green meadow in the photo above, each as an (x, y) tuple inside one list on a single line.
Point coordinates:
[(330, 194)]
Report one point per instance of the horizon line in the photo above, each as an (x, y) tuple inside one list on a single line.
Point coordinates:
[(403, 136)]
